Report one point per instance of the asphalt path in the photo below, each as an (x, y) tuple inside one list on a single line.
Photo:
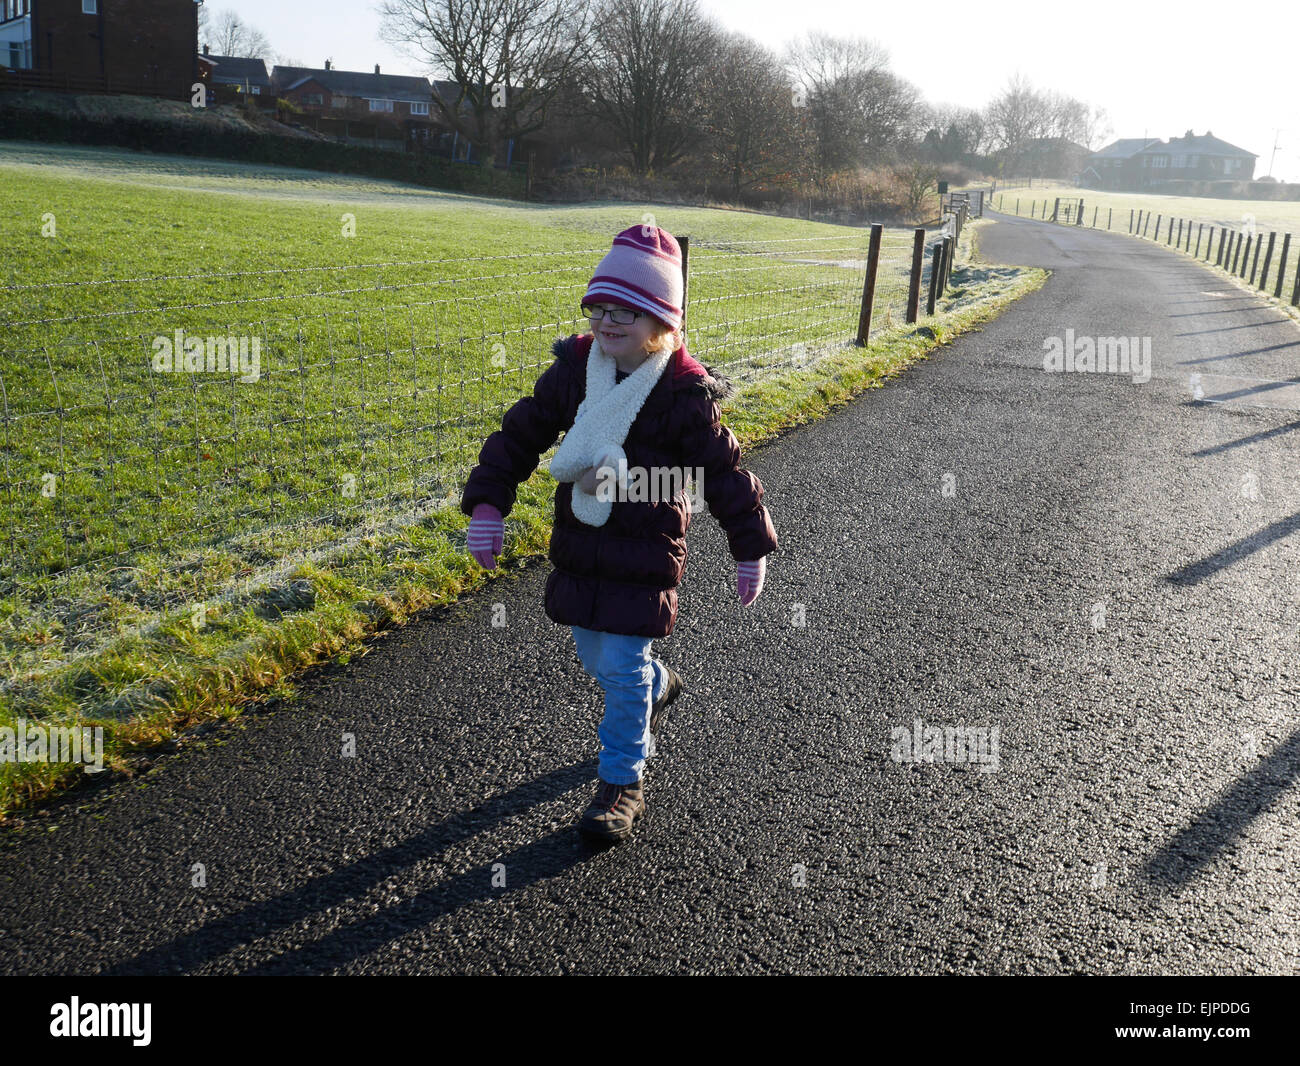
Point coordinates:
[(1101, 569)]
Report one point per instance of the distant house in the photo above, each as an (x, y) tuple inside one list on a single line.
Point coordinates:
[(242, 75), (1138, 163), (1048, 157), (139, 46), (354, 104)]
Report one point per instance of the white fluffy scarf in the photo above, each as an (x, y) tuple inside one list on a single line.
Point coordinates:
[(601, 426)]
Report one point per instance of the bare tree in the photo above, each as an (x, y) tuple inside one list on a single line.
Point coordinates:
[(508, 59), (920, 180), (859, 108), (751, 120), (646, 78), (232, 36), (1017, 116)]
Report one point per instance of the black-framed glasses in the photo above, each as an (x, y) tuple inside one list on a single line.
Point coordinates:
[(622, 316)]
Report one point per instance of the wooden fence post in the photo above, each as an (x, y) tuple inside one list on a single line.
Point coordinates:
[(685, 244), (1254, 264), (1094, 217), (869, 285), (1295, 293), (1200, 232), (914, 283), (1218, 259), (949, 254), (1130, 220), (1268, 258), (1110, 214), (1236, 252), (936, 268), (1281, 266)]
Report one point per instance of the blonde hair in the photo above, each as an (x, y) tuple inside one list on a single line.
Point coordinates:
[(656, 343)]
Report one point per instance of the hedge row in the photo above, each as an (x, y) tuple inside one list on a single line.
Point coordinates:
[(183, 138)]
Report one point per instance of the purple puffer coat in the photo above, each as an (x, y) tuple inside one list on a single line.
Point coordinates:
[(622, 577)]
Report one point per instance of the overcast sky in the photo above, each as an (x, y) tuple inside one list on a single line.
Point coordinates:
[(1157, 69)]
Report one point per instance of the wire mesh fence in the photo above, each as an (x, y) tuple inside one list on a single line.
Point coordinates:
[(171, 440)]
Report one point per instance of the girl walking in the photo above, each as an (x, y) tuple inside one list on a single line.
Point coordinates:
[(631, 400)]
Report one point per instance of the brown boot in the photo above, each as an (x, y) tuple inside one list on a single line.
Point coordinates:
[(614, 811)]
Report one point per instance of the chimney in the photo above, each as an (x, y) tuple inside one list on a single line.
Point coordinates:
[(327, 64), (205, 50), (376, 68)]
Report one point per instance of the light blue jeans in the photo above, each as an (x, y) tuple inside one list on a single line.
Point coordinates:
[(632, 679)]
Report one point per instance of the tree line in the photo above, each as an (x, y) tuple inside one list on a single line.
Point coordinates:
[(660, 88)]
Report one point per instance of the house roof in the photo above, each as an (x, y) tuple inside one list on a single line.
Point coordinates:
[(1190, 144), (400, 87), (1207, 145), (1125, 148), (236, 69)]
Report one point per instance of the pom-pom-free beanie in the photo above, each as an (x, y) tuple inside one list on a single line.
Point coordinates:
[(643, 270)]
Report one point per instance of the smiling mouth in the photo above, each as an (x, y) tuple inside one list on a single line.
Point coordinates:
[(612, 336)]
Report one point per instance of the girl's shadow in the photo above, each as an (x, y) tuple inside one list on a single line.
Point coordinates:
[(526, 865)]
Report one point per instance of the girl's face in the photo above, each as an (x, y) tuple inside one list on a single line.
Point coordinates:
[(632, 344)]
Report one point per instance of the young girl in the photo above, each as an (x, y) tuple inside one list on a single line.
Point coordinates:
[(627, 392)]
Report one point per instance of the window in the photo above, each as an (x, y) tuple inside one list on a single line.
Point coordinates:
[(313, 100), (381, 105), (256, 90), (338, 101), (1160, 161), (90, 7), (419, 109), (1179, 161)]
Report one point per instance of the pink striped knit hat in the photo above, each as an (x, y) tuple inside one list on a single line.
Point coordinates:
[(642, 271)]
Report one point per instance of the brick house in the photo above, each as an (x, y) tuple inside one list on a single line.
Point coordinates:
[(353, 104), (128, 46), (241, 75), (1138, 163)]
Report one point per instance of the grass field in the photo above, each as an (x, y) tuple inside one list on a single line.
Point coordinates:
[(176, 543)]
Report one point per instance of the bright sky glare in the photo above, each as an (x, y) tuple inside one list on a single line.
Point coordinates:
[(1157, 69)]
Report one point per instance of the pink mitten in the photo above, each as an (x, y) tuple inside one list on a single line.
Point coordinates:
[(487, 531), (749, 580)]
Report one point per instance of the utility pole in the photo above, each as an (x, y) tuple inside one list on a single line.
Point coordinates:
[(1273, 158)]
